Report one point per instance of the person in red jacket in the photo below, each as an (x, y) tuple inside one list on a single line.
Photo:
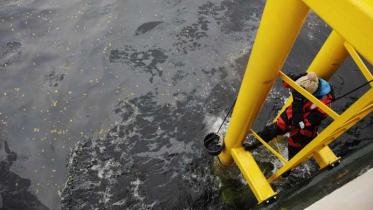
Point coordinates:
[(301, 119)]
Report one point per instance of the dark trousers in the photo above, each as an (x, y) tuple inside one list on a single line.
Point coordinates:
[(271, 131)]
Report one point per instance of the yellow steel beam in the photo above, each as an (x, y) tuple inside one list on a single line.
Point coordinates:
[(275, 35), (351, 121), (357, 111), (266, 145), (352, 19), (309, 96), (325, 157), (359, 62), (252, 174), (331, 55)]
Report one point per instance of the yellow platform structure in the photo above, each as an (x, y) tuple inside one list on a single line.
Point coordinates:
[(352, 24)]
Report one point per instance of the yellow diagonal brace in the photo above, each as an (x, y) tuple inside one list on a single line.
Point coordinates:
[(266, 145), (349, 122), (309, 96), (352, 19), (359, 62), (252, 174)]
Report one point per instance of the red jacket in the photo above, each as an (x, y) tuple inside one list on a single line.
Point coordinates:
[(305, 111)]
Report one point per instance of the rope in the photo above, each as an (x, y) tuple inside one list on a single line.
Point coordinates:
[(226, 116), (221, 125)]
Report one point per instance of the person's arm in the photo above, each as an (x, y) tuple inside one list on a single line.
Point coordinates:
[(317, 114), (315, 118)]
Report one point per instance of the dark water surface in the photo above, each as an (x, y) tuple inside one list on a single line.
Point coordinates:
[(104, 104)]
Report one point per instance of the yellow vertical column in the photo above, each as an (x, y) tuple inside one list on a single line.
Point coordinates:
[(280, 24), (327, 61), (330, 57)]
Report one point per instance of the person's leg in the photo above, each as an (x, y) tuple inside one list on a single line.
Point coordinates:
[(292, 151)]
